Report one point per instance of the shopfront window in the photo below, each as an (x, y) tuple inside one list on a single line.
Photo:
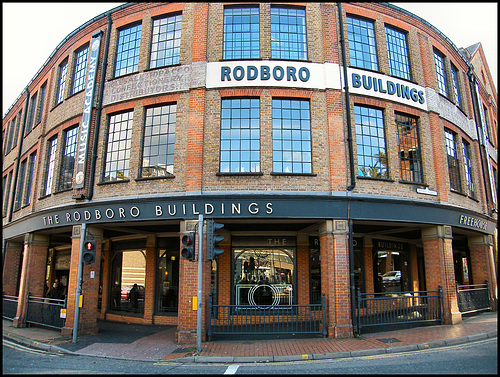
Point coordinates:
[(391, 265), (264, 276), (128, 269), (168, 277)]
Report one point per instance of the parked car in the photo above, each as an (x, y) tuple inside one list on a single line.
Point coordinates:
[(126, 291), (391, 277)]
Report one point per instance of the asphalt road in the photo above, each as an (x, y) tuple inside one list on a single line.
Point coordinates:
[(470, 358)]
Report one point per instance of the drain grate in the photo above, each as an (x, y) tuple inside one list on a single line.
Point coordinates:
[(389, 340)]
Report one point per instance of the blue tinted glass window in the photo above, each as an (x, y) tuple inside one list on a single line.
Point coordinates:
[(362, 47), (166, 41), (288, 33), (441, 74), (370, 142), (292, 150), (240, 135), (127, 54), (51, 160), (241, 33), (399, 62)]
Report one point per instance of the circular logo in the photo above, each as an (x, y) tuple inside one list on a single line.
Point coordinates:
[(95, 45), (263, 296), (79, 178)]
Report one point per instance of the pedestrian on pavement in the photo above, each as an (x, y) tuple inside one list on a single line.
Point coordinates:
[(134, 298)]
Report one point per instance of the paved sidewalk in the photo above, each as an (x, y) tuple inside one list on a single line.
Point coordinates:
[(155, 343)]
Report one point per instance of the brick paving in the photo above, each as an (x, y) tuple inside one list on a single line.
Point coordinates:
[(158, 343)]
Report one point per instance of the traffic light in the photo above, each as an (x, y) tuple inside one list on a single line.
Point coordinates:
[(213, 240), (188, 243), (88, 251)]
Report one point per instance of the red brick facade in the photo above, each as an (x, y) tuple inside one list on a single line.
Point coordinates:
[(430, 224)]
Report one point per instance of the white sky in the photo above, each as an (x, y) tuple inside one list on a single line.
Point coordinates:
[(31, 32)]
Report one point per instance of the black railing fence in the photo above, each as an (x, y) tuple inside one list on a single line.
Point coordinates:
[(9, 306), (473, 297), (376, 309), (270, 320), (45, 311)]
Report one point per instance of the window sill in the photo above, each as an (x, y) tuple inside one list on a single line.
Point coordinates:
[(376, 179), (170, 176), (294, 174), (112, 182), (239, 174)]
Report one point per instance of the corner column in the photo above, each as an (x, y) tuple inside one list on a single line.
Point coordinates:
[(335, 277), (483, 264), (439, 269), (36, 247)]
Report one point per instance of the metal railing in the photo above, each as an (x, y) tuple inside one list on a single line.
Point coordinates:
[(271, 320), (473, 297), (377, 309), (9, 304), (45, 311)]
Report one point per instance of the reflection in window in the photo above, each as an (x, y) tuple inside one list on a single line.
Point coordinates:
[(118, 148), (241, 33), (392, 269), (240, 136), (127, 55), (362, 47), (288, 33), (128, 268), (453, 161), (441, 74), (263, 277), (292, 151), (370, 142), (68, 159), (166, 41), (168, 280), (409, 148), (159, 141), (398, 53)]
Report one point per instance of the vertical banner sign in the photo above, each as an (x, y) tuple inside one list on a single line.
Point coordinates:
[(82, 146)]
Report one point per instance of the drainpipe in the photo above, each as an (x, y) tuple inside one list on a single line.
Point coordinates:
[(347, 101), (19, 151), (99, 111), (480, 135), (351, 167)]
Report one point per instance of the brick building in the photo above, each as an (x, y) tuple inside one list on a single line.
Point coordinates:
[(150, 115)]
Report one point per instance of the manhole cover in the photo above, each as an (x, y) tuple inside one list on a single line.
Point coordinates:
[(389, 340)]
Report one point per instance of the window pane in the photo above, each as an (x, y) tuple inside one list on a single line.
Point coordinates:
[(240, 147), (79, 72), (166, 41), (63, 69), (441, 74), (452, 157), (117, 157), (127, 55), (288, 33), (468, 168), (291, 133), (241, 33), (398, 53), (159, 141), (362, 47), (51, 159), (370, 141), (68, 159), (409, 149)]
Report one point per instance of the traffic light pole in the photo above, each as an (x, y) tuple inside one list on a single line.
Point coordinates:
[(200, 283), (79, 282)]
